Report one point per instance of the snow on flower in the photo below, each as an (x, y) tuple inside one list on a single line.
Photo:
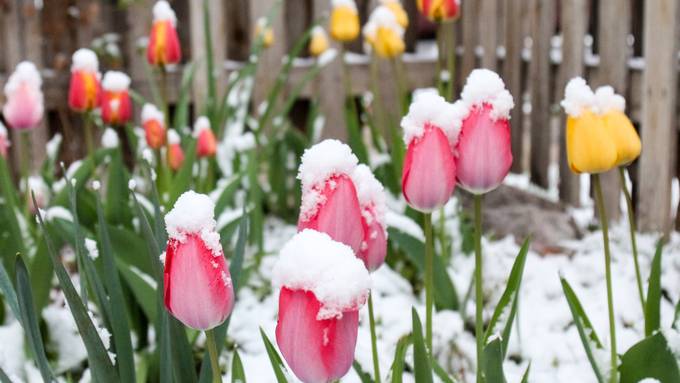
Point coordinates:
[(86, 60), (110, 138), (91, 247), (162, 11), (194, 213), (484, 86), (429, 107)]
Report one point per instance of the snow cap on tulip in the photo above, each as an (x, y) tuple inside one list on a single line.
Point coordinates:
[(194, 213), (431, 108), (397, 8), (153, 122), (439, 10), (115, 81), (175, 153), (578, 97), (116, 105), (151, 112), (86, 60), (312, 261), (163, 47), (84, 87), (110, 139), (264, 31), (383, 33), (319, 41), (162, 11), (484, 86), (24, 106), (344, 20)]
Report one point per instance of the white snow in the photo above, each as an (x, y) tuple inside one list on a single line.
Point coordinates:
[(91, 247), (431, 108), (173, 137), (326, 57), (607, 100), (3, 130), (202, 123), (96, 185), (163, 12), (312, 261), (110, 138), (115, 81), (86, 60), (344, 3), (371, 194), (151, 112), (577, 97), (484, 86), (382, 17), (25, 73), (52, 146), (132, 184), (194, 213)]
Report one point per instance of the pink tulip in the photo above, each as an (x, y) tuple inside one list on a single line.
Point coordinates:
[(323, 286), (24, 100), (198, 289), (484, 153), (371, 196), (4, 141), (329, 197)]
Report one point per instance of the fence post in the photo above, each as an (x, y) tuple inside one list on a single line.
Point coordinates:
[(488, 18), (574, 24), (542, 28), (512, 74), (658, 120), (470, 35), (216, 16), (138, 18)]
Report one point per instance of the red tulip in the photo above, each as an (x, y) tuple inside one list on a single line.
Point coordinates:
[(484, 153), (153, 122), (439, 10), (175, 152), (197, 284), (371, 196), (323, 286), (116, 106), (84, 89), (429, 174), (164, 47), (24, 105), (206, 143), (329, 197)]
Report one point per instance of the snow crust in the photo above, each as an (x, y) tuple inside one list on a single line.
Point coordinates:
[(484, 86), (431, 108), (194, 213), (115, 81), (26, 73), (86, 60), (202, 123), (173, 137), (151, 112), (110, 138), (371, 194), (162, 11), (578, 97), (344, 3)]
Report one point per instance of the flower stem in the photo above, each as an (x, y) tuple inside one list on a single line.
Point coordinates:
[(608, 275), (25, 137), (214, 360), (89, 139), (374, 346), (429, 260), (633, 240), (479, 294)]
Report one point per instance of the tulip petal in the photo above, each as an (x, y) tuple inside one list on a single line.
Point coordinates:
[(589, 146)]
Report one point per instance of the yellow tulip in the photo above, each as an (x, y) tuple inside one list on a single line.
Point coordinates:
[(344, 23), (399, 12), (622, 133), (265, 32), (590, 148), (319, 42), (387, 43)]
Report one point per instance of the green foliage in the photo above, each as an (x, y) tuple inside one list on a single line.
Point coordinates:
[(653, 302), (650, 358)]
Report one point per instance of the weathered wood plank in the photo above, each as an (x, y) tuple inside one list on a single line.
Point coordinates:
[(470, 37), (659, 132), (488, 18), (512, 74)]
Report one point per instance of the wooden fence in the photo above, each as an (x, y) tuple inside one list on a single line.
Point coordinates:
[(536, 45)]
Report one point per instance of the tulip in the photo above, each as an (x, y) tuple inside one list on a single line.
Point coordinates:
[(431, 132), (439, 10), (319, 41), (484, 154), (164, 48), (206, 144), (383, 33), (4, 141), (265, 32), (197, 284), (175, 152), (371, 195), (329, 197), (153, 122), (621, 131), (398, 10), (344, 21), (84, 90), (116, 106), (24, 106), (323, 286)]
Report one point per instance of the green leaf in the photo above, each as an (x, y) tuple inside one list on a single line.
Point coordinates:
[(653, 303), (397, 369), (3, 377), (117, 198), (585, 328), (421, 358), (508, 301), (9, 293), (182, 180), (363, 376), (227, 194), (525, 377), (440, 372), (274, 359), (42, 271), (144, 293), (492, 362), (99, 362), (445, 295), (119, 316), (649, 358), (15, 242), (29, 319), (129, 247), (238, 375)]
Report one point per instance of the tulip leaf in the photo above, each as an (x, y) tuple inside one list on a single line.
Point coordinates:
[(181, 117), (274, 359), (42, 271), (440, 372), (238, 375), (15, 242), (585, 328), (492, 362), (29, 319), (182, 180), (117, 198), (129, 248), (421, 358), (3, 377), (653, 303), (650, 358), (525, 377), (142, 288), (397, 369), (363, 376), (8, 292), (506, 309)]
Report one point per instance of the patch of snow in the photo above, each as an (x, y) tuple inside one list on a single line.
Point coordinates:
[(431, 108), (115, 81), (110, 138), (344, 3), (86, 60), (194, 213), (91, 247), (484, 86), (151, 112), (163, 12)]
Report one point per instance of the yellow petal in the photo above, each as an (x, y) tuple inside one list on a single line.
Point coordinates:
[(388, 43), (399, 13), (344, 24), (589, 147), (623, 134)]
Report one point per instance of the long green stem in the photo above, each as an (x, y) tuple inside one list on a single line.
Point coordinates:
[(429, 285), (374, 346), (89, 138), (214, 357), (25, 137), (608, 275), (479, 294), (633, 240)]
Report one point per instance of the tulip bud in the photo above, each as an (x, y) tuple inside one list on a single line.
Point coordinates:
[(197, 284), (371, 195), (153, 122), (323, 286), (164, 48), (175, 152), (431, 132), (319, 42), (84, 90), (383, 33), (344, 21), (265, 32), (24, 105), (484, 153), (621, 130), (440, 10), (116, 106), (4, 141), (206, 144), (329, 197)]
